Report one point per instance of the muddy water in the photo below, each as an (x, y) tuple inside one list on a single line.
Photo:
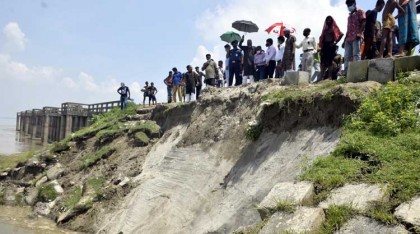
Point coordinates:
[(16, 220), (12, 142)]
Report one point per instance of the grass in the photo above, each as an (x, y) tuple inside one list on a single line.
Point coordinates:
[(141, 139), (72, 197), (369, 155), (285, 206), (149, 127), (335, 218), (295, 93), (47, 193), (90, 159), (11, 161), (58, 147), (110, 133), (97, 185)]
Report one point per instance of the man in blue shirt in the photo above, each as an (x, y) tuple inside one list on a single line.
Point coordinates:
[(235, 64), (124, 91), (177, 84)]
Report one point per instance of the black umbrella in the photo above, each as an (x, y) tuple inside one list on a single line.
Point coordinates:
[(245, 26)]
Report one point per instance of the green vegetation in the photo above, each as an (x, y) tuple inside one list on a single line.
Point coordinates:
[(72, 197), (102, 121), (380, 144), (294, 93), (96, 185), (47, 193), (335, 217), (141, 139), (90, 159), (253, 131), (149, 127), (58, 147), (11, 161), (110, 133), (258, 227)]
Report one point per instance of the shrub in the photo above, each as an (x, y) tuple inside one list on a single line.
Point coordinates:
[(47, 193), (253, 130)]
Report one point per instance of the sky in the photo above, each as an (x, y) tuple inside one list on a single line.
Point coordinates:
[(79, 51)]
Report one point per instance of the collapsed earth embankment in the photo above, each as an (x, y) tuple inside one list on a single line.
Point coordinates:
[(202, 167)]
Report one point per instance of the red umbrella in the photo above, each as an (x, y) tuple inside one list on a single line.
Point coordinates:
[(278, 28)]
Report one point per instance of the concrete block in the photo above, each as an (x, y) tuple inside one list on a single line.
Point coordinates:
[(296, 78), (358, 71), (381, 70), (303, 220), (359, 196), (409, 212), (405, 64), (362, 224), (297, 194)]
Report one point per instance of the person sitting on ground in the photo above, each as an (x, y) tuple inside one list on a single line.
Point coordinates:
[(124, 91), (309, 47), (211, 72), (152, 93), (328, 40), (388, 22), (168, 83), (145, 92), (190, 80), (370, 50), (199, 84)]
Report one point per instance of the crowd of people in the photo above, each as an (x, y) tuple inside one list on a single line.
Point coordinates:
[(366, 38)]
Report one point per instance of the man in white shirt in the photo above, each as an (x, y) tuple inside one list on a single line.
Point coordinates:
[(309, 48), (270, 58), (279, 56)]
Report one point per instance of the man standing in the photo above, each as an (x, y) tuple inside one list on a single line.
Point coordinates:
[(260, 64), (235, 60), (279, 56), (288, 62), (152, 93), (168, 83), (355, 28), (177, 84), (309, 46), (145, 91), (199, 84), (227, 49), (221, 71), (371, 50), (270, 58), (210, 69), (190, 80), (248, 62), (124, 91)]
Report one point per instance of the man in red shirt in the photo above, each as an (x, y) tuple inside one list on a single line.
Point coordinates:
[(355, 28)]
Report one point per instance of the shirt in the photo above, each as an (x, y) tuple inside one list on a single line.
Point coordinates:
[(354, 23), (280, 52), (123, 91), (371, 17), (211, 69), (151, 90), (271, 54), (259, 58), (235, 55), (221, 72), (308, 43), (177, 78)]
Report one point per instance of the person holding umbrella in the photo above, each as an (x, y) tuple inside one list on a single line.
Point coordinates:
[(235, 64), (248, 62)]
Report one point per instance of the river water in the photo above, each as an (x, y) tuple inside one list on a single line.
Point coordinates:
[(18, 220)]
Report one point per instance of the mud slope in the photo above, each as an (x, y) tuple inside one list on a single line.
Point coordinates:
[(205, 176)]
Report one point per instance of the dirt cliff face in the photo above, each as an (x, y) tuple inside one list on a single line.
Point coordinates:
[(194, 168), (206, 176)]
